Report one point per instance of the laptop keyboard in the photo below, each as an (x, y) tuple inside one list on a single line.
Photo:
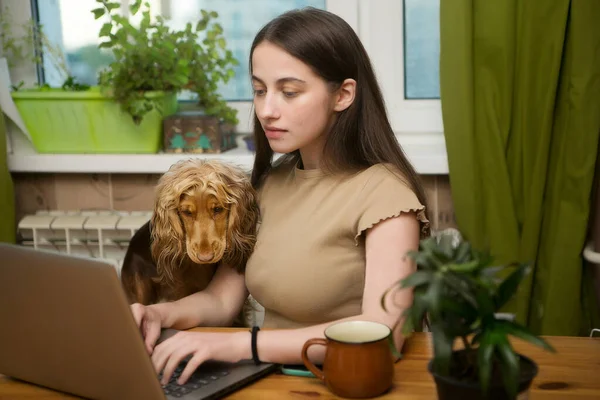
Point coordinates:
[(198, 379)]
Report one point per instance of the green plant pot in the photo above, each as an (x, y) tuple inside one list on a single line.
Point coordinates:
[(89, 122), (451, 388)]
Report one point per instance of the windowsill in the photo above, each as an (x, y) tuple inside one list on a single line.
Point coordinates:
[(426, 151)]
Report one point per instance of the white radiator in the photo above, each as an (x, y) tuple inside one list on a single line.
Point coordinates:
[(94, 234)]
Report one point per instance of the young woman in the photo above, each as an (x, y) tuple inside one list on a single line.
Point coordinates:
[(340, 209)]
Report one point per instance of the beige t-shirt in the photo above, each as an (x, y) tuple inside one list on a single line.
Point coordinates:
[(308, 265)]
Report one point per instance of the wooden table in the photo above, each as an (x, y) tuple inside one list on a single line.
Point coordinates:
[(571, 373)]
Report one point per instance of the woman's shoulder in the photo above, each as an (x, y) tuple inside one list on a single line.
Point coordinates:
[(386, 193), (382, 173)]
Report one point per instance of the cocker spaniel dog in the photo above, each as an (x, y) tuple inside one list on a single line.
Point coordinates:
[(205, 213)]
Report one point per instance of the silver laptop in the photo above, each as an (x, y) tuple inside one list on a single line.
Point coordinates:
[(66, 325)]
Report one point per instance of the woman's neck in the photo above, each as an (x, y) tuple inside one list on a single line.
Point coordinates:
[(312, 155), (309, 162)]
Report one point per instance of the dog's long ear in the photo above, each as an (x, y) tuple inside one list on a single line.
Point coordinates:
[(168, 237), (243, 220)]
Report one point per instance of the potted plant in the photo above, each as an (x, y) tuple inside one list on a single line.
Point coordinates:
[(125, 112), (153, 58), (459, 291)]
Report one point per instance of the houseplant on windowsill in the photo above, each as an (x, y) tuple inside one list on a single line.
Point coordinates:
[(125, 113), (23, 45), (155, 58), (73, 118), (460, 291)]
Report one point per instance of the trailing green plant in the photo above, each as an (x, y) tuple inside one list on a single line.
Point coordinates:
[(28, 43), (460, 291), (154, 57)]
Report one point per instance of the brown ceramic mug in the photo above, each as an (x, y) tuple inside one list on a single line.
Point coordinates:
[(358, 359)]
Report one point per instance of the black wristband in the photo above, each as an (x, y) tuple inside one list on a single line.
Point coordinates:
[(254, 332)]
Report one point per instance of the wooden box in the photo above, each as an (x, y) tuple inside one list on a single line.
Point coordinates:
[(194, 132)]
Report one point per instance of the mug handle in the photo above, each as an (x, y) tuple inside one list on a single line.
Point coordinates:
[(312, 367)]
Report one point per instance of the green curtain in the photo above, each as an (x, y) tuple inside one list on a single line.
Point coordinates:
[(7, 195), (520, 93)]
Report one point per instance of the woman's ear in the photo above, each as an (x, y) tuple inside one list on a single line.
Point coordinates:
[(344, 95)]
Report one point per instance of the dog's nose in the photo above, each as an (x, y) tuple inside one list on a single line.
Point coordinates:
[(205, 257)]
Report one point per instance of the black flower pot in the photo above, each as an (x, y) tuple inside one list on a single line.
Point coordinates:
[(451, 388)]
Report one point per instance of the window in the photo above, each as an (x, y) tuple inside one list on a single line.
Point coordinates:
[(422, 49), (382, 27), (240, 19), (401, 37)]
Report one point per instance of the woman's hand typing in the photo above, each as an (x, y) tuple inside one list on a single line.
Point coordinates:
[(149, 320), (201, 346)]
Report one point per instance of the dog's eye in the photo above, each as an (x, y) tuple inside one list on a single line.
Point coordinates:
[(187, 213), (218, 210)]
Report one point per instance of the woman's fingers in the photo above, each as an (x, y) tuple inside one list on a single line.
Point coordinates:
[(191, 366), (164, 351), (170, 353), (172, 361), (169, 369), (160, 355), (151, 335), (138, 313)]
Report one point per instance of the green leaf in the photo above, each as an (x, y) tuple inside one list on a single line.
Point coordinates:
[(434, 296), (408, 327), (461, 285), (457, 316), (105, 45), (201, 25), (222, 43), (462, 309), (509, 286), (484, 361), (466, 267), (112, 6), (105, 30), (521, 332), (442, 346), (98, 12), (485, 259), (421, 259), (182, 79), (428, 244), (509, 363), (134, 8), (417, 278), (419, 307), (463, 252), (445, 245), (485, 303)]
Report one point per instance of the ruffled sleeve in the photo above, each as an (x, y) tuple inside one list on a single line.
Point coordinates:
[(385, 195)]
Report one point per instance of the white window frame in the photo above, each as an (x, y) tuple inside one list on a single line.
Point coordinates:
[(381, 31)]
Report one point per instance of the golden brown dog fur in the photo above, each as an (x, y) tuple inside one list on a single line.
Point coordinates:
[(205, 213)]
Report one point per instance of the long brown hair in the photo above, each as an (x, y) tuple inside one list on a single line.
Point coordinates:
[(361, 135)]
